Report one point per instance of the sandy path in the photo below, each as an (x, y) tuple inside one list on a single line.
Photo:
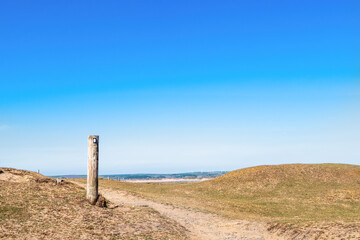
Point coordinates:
[(204, 226)]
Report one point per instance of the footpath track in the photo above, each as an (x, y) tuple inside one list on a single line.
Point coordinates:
[(201, 226)]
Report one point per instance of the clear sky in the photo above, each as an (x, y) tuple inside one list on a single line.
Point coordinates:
[(176, 86)]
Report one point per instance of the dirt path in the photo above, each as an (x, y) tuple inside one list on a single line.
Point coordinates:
[(202, 226)]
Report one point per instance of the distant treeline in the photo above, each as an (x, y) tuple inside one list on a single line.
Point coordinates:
[(190, 175)]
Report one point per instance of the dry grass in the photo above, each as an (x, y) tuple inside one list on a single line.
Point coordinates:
[(34, 207), (290, 196)]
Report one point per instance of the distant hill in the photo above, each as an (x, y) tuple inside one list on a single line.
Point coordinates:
[(287, 175), (291, 192)]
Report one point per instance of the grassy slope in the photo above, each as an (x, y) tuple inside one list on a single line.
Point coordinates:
[(33, 206), (294, 193)]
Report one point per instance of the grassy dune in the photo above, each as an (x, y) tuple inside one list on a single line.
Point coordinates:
[(293, 193), (35, 207)]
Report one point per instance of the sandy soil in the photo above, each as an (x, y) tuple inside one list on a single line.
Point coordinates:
[(202, 226), (6, 176)]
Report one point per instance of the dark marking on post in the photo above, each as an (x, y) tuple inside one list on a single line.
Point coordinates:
[(93, 169)]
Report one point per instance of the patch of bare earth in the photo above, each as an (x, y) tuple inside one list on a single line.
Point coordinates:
[(35, 207)]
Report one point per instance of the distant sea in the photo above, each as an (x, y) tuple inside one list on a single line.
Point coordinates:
[(190, 175)]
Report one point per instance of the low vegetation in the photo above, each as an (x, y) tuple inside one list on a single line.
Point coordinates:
[(294, 195), (35, 207)]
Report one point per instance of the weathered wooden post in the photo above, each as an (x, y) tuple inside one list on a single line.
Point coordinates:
[(93, 166)]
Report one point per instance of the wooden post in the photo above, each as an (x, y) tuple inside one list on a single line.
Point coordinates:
[(93, 165)]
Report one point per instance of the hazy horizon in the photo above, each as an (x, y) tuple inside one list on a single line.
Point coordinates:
[(171, 173), (178, 86)]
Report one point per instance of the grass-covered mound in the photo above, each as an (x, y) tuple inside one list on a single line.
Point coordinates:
[(33, 206), (293, 192)]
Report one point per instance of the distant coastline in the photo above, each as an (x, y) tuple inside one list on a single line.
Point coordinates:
[(142, 177), (166, 180)]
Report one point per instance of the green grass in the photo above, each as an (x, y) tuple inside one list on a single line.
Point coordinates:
[(294, 193), (9, 211)]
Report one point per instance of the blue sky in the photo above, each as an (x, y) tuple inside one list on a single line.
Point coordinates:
[(175, 86)]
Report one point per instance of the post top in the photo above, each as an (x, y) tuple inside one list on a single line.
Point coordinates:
[(93, 138)]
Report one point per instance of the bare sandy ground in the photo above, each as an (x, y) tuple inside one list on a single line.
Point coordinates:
[(6, 176), (202, 226)]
